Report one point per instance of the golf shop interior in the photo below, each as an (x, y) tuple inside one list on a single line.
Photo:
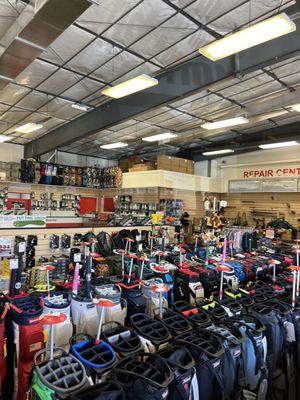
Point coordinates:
[(149, 199)]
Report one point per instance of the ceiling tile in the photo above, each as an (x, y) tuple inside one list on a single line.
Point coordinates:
[(75, 38), (35, 73), (95, 55), (59, 81)]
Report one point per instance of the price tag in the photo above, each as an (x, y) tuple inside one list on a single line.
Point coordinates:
[(22, 247), (13, 263), (77, 257), (140, 247)]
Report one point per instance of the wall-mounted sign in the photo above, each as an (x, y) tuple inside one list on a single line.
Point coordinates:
[(280, 185), (271, 172), (239, 186), (22, 221)]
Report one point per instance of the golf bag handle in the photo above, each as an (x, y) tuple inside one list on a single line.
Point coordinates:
[(60, 350), (80, 337)]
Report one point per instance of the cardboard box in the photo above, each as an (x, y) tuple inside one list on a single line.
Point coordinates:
[(164, 162), (142, 167)]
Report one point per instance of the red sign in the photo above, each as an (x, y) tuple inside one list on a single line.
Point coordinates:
[(271, 172)]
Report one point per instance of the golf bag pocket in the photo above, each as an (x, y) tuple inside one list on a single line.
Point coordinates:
[(85, 317), (31, 340)]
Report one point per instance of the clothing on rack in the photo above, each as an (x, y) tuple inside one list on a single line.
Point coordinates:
[(243, 238)]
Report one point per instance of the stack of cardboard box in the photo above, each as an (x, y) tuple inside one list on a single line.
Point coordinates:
[(175, 164), (162, 162)]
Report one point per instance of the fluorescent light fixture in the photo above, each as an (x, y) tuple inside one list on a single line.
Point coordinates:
[(81, 107), (277, 145), (114, 145), (215, 152), (6, 78), (160, 136), (29, 43), (30, 127), (4, 138), (133, 85), (296, 107), (253, 35), (225, 123)]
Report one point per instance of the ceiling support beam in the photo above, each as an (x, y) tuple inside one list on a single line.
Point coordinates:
[(174, 84)]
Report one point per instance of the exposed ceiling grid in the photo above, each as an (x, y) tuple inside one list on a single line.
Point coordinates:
[(117, 40)]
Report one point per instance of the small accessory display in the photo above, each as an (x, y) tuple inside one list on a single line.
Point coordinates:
[(65, 241), (54, 242), (77, 239)]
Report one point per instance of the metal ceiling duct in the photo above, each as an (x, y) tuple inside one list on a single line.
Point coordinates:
[(38, 25)]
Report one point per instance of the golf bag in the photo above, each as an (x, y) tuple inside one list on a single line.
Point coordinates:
[(109, 390), (151, 297), (136, 302), (25, 337), (181, 362), (280, 333), (60, 302), (113, 292), (208, 353), (150, 381)]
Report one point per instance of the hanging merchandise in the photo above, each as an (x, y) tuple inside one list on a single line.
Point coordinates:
[(65, 241), (27, 171), (54, 242)]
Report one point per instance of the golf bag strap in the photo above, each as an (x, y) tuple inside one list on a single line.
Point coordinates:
[(180, 386), (260, 364), (218, 378)]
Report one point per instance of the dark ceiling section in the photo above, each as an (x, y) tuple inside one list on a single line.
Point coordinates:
[(174, 84), (240, 145)]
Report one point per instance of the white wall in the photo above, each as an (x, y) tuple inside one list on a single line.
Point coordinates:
[(78, 160), (233, 167), (10, 152)]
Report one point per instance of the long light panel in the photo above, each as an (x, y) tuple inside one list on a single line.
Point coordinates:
[(251, 36)]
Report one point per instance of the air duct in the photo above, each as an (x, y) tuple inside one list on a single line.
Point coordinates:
[(38, 25)]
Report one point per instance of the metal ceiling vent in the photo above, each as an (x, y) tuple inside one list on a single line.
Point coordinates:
[(37, 26)]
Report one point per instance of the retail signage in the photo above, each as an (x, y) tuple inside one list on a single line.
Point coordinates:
[(22, 221), (277, 172)]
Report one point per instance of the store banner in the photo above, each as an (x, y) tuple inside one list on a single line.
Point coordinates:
[(277, 172), (22, 221)]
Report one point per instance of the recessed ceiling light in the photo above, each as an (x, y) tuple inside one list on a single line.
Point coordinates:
[(278, 145), (114, 145), (296, 107), (160, 136), (225, 123), (30, 127), (4, 138), (133, 85), (81, 107), (215, 152), (253, 35)]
